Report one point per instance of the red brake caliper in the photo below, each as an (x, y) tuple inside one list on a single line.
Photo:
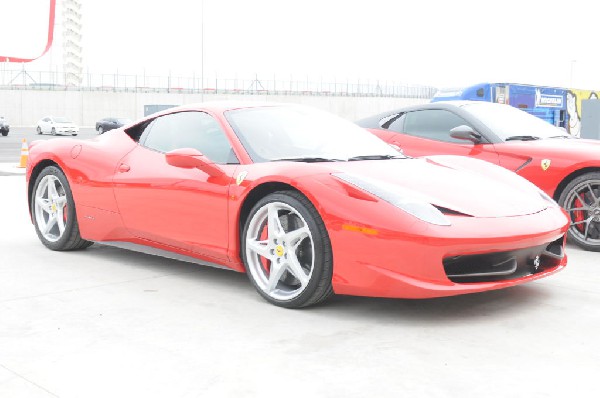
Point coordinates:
[(264, 235), (579, 215)]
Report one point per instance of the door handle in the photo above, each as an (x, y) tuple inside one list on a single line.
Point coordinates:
[(124, 168)]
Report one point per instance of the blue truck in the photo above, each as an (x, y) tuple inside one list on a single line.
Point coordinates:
[(556, 105)]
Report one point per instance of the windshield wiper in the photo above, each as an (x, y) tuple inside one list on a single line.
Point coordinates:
[(375, 157), (307, 159), (522, 138)]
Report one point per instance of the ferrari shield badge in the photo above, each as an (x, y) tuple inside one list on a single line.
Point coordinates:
[(241, 177), (545, 164)]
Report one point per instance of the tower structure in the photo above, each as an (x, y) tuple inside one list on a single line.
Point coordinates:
[(71, 42)]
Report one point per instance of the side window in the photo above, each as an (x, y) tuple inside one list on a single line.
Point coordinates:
[(433, 124), (394, 122), (196, 130)]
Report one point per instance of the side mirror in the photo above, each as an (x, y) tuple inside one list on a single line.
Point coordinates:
[(464, 132), (189, 158)]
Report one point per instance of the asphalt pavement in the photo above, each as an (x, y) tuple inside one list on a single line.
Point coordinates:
[(106, 322)]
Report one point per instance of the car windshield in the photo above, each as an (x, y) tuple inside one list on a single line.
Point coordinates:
[(301, 133), (508, 122), (61, 120)]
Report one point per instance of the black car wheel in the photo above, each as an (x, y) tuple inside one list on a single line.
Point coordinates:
[(53, 212), (39, 130), (53, 131), (581, 200), (100, 130), (287, 252)]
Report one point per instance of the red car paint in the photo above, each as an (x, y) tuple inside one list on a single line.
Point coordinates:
[(125, 192)]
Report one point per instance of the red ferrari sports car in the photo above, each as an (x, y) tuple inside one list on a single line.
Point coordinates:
[(566, 168), (306, 203)]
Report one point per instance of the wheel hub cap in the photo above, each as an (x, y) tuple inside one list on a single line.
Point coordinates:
[(279, 250)]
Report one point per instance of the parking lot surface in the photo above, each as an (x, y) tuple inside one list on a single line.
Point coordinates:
[(106, 322)]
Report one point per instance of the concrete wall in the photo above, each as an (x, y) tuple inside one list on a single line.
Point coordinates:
[(26, 107)]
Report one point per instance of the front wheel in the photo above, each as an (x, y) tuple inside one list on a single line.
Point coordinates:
[(4, 133), (53, 131), (100, 130), (581, 200), (39, 130), (53, 211), (287, 252)]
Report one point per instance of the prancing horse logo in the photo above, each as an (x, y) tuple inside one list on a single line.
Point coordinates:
[(545, 164)]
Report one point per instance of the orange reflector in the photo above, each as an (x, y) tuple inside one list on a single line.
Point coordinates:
[(364, 230)]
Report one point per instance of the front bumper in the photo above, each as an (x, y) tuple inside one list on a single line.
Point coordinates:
[(405, 265)]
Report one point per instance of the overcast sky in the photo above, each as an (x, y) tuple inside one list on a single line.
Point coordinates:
[(440, 43)]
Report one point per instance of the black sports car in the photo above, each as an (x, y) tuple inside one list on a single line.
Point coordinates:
[(109, 123)]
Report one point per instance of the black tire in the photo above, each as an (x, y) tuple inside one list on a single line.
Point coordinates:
[(100, 130), (584, 217), (316, 247), (4, 133), (69, 239), (39, 130), (53, 131)]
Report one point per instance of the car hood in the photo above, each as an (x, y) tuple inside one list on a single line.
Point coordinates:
[(465, 185)]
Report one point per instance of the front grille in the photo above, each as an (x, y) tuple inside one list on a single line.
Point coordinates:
[(504, 265)]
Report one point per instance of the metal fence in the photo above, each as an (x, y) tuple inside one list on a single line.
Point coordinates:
[(13, 79)]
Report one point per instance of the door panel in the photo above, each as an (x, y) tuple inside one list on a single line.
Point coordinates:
[(415, 146), (183, 208)]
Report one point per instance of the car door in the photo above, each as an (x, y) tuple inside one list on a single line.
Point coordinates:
[(427, 132), (178, 207)]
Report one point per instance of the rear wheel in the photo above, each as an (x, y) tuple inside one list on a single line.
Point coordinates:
[(53, 211), (581, 200), (287, 252)]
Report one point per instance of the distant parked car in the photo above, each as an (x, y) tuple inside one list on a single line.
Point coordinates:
[(56, 125), (4, 127), (109, 123)]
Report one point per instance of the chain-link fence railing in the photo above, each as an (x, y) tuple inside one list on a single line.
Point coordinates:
[(13, 79)]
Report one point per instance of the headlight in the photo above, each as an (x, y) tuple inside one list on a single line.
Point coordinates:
[(401, 198)]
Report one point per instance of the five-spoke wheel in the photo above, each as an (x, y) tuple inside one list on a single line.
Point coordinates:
[(581, 200), (286, 251), (53, 211)]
